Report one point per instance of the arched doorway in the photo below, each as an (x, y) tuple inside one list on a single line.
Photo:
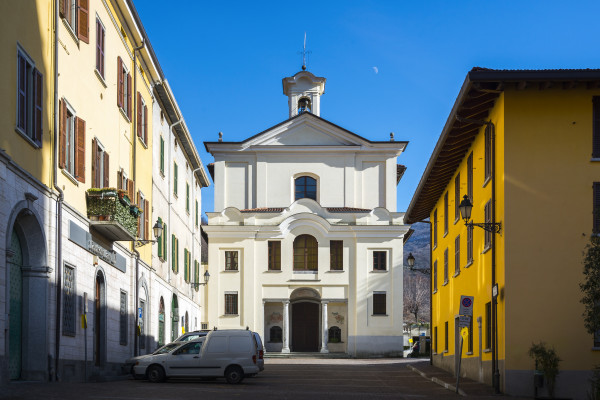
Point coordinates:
[(174, 318), (161, 322), (26, 276), (305, 304), (16, 307), (100, 320)]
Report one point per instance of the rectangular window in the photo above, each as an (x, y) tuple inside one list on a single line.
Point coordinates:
[(186, 265), (488, 152), (457, 255), (162, 156), (469, 245), (30, 100), (174, 254), (69, 299), (231, 261), (71, 142), (446, 336), (123, 319), (274, 255), (446, 214), (196, 213), (596, 208), (435, 276), (336, 255), (231, 303), (488, 219), (100, 159), (456, 197), (596, 127), (435, 338), (187, 198), (75, 13), (142, 119), (379, 300), (446, 266), (470, 177), (142, 219), (434, 229), (488, 325), (175, 173), (123, 88), (379, 260), (100, 34)]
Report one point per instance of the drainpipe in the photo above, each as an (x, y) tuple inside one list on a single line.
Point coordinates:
[(194, 219), (135, 133), (61, 196)]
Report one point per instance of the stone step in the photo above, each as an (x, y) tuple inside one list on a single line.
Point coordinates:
[(306, 355)]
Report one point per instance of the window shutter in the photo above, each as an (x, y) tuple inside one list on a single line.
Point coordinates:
[(596, 128), (120, 83), (185, 264), (138, 219), (38, 87), (162, 155), (146, 219), (129, 96), (62, 107), (177, 255), (138, 121), (94, 163), (173, 258), (120, 179), (22, 94), (62, 7), (165, 235), (80, 153), (83, 28), (145, 124), (130, 189), (160, 240), (106, 169)]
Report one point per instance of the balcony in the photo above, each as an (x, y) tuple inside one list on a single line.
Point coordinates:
[(111, 214)]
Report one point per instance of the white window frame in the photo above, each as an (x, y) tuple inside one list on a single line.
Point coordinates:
[(100, 73), (102, 150)]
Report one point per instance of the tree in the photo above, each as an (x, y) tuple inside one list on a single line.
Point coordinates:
[(416, 298), (591, 286)]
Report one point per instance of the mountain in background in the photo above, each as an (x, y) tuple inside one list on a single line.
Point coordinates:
[(418, 245)]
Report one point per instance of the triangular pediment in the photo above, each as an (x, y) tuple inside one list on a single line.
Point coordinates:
[(306, 130)]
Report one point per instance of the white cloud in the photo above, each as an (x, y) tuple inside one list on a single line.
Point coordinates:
[(376, 70)]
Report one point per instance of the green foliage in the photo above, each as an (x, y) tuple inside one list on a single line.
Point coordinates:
[(590, 288), (594, 394), (546, 360), (103, 204)]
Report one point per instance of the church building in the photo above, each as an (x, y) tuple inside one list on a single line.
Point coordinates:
[(305, 244)]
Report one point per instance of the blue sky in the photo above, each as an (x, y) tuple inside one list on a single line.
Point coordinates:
[(225, 61)]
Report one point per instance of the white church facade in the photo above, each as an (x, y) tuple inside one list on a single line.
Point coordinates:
[(305, 244)]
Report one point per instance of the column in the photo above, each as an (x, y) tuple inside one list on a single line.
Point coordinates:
[(262, 333), (324, 326), (286, 327)]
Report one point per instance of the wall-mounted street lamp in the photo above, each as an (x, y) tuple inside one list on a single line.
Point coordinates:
[(158, 231), (466, 207), (196, 285), (410, 261)]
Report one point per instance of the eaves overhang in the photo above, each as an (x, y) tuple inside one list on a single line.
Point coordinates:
[(478, 94)]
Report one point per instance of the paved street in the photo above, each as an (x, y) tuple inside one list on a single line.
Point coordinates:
[(282, 379)]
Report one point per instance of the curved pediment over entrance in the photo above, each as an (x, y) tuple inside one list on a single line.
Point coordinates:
[(305, 293)]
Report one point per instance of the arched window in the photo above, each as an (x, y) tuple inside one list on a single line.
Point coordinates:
[(275, 334), (303, 105), (335, 335), (306, 187), (305, 253)]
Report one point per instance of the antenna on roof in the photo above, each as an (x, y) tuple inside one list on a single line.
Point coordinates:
[(220, 136), (304, 53), (391, 136)]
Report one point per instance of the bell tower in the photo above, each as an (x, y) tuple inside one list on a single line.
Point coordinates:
[(304, 92)]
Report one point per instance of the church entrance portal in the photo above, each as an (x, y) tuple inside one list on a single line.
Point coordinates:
[(305, 327)]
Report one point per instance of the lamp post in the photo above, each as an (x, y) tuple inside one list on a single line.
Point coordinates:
[(410, 261), (158, 231), (465, 208), (198, 284)]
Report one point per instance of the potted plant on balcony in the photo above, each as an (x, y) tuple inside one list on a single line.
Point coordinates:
[(100, 201), (124, 198), (135, 210)]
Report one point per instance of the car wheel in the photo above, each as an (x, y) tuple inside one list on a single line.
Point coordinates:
[(155, 374), (234, 374)]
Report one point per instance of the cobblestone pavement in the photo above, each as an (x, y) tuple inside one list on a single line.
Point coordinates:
[(282, 379)]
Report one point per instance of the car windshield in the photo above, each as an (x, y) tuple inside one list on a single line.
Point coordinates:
[(190, 337), (167, 348)]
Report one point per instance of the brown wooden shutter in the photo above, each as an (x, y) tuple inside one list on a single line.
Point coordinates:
[(130, 189), (38, 97), (120, 82), (138, 121), (146, 218), (62, 111), (129, 96), (119, 179), (94, 163), (80, 153), (138, 220), (83, 28), (145, 125), (106, 169), (596, 127)]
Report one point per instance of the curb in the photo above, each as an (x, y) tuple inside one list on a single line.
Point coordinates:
[(438, 381)]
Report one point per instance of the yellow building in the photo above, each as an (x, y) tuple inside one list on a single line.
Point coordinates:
[(518, 144)]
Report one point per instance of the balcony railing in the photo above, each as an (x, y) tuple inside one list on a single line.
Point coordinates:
[(111, 214)]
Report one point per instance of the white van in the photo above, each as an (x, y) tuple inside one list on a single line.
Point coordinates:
[(231, 354)]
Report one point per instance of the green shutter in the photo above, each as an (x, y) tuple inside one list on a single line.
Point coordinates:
[(159, 242), (177, 255), (196, 212), (164, 242), (187, 198), (173, 253), (185, 265), (175, 178), (162, 155)]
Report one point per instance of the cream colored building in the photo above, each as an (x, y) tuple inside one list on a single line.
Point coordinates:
[(305, 243)]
